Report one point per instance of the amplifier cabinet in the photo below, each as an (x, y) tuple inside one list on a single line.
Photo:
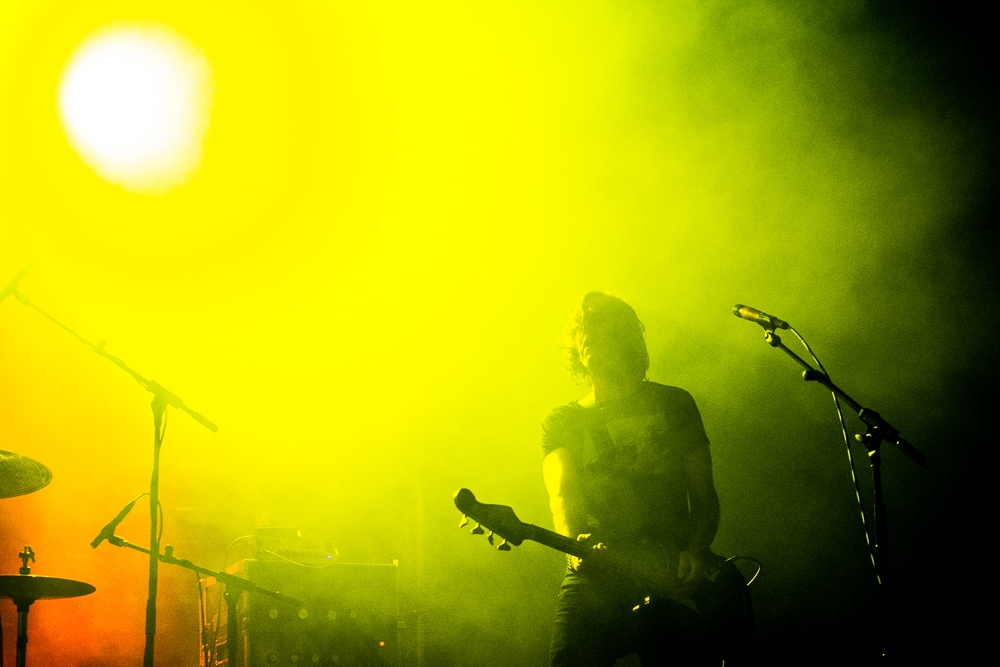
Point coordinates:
[(348, 617)]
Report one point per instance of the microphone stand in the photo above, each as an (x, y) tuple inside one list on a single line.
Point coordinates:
[(235, 587), (878, 430), (161, 399)]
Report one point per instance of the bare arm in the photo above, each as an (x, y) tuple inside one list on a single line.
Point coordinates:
[(569, 512), (703, 498), (704, 515)]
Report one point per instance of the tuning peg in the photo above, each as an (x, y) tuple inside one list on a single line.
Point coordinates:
[(464, 522), (478, 530), (489, 538), (503, 546)]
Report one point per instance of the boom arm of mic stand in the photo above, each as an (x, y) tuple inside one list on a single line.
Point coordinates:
[(233, 584), (870, 418), (161, 394), (225, 577)]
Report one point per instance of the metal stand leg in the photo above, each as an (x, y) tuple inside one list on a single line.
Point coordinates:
[(22, 632), (872, 440), (159, 406), (234, 641)]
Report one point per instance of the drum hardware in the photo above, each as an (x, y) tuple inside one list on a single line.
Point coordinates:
[(20, 475), (26, 588)]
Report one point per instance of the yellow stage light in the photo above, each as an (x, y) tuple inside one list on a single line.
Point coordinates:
[(134, 101)]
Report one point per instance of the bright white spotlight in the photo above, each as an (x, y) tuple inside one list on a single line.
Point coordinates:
[(135, 103)]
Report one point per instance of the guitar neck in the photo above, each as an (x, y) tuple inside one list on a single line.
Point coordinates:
[(653, 567), (553, 540)]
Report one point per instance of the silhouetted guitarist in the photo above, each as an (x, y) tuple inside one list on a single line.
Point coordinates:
[(628, 466)]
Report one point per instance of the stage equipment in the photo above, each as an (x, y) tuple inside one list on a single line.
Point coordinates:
[(287, 543), (235, 585), (348, 617), (12, 285), (760, 317), (25, 588), (161, 399), (878, 430), (20, 475)]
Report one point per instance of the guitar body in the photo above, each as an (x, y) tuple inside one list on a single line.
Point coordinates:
[(722, 598), (725, 603)]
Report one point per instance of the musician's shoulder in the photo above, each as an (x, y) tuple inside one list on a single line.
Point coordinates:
[(563, 414), (568, 408), (666, 391), (672, 399)]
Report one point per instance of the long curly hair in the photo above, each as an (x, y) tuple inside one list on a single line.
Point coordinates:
[(613, 317)]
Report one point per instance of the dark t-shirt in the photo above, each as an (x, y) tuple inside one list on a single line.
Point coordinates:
[(629, 456)]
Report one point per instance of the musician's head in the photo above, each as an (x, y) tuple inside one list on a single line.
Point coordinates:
[(604, 338)]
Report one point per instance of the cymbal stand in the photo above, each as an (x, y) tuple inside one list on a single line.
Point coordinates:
[(878, 430), (161, 399), (22, 609)]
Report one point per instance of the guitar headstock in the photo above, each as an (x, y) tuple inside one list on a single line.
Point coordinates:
[(498, 519)]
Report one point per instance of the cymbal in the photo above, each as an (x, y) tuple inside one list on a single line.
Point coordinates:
[(20, 475), (31, 587)]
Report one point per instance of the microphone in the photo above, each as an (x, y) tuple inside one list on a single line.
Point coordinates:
[(760, 317), (109, 529), (9, 289)]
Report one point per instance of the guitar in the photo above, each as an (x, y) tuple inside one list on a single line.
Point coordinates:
[(722, 598)]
